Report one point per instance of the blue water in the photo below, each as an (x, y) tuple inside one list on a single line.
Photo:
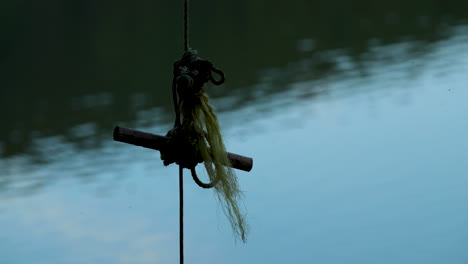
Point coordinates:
[(374, 170)]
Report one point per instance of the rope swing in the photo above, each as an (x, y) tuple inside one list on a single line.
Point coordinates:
[(196, 136)]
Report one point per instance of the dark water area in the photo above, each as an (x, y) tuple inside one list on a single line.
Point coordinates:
[(65, 64), (359, 89)]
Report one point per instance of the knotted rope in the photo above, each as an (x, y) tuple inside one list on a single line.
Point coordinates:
[(183, 147), (196, 135)]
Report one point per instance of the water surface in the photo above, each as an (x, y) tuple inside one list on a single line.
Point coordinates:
[(355, 116)]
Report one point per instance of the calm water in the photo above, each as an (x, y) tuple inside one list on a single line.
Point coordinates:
[(355, 114)]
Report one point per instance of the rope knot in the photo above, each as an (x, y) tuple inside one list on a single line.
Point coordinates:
[(182, 148), (191, 73), (196, 135)]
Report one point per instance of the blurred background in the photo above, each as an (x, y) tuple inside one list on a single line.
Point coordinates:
[(355, 113)]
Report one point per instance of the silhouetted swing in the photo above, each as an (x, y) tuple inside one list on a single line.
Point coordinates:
[(196, 137)]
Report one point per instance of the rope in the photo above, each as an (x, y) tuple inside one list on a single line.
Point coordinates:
[(181, 214), (190, 74), (202, 184), (181, 169), (186, 21), (187, 136)]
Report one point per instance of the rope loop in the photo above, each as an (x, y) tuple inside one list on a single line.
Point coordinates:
[(202, 184), (220, 73)]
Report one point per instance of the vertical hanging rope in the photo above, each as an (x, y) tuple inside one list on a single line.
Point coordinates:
[(186, 21), (181, 215), (181, 169)]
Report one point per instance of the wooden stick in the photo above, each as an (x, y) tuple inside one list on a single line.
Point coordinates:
[(156, 142)]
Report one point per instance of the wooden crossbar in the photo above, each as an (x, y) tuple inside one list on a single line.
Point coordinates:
[(156, 142)]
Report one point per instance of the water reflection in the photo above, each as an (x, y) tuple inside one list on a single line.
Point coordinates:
[(84, 63), (66, 84), (360, 99)]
